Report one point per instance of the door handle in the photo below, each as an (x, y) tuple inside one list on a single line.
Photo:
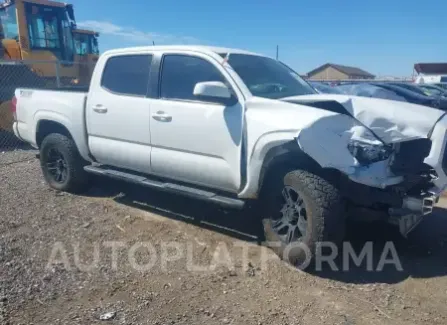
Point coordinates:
[(162, 117), (100, 109)]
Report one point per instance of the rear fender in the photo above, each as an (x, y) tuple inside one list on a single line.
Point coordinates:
[(47, 115), (65, 122)]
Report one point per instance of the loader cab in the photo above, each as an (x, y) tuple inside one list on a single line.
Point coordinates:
[(8, 23), (86, 42), (50, 29), (86, 53), (40, 29), (9, 33)]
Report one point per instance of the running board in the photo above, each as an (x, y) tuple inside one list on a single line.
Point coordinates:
[(192, 192)]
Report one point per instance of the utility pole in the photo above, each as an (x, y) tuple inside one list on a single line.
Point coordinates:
[(277, 52)]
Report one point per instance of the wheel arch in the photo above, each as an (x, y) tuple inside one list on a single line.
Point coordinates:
[(270, 152), (45, 127), (286, 155), (57, 123)]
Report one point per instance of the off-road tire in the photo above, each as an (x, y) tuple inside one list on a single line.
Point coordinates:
[(77, 180), (325, 215)]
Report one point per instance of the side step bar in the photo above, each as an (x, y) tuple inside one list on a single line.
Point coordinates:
[(192, 192)]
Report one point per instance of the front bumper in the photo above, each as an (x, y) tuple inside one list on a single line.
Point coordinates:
[(414, 209), (437, 158), (412, 212)]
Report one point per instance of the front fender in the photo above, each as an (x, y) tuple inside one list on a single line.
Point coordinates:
[(262, 147), (326, 141)]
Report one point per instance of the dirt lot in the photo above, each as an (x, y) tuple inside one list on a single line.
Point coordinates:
[(50, 273)]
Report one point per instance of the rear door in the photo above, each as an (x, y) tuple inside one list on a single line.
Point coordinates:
[(118, 112)]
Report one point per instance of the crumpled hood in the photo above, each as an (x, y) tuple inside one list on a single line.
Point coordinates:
[(324, 125), (391, 121)]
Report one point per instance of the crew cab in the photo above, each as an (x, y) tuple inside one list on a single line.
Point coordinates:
[(240, 129)]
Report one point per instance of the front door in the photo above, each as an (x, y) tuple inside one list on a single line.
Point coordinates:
[(194, 140), (118, 112)]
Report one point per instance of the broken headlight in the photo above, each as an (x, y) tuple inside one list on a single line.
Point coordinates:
[(367, 153)]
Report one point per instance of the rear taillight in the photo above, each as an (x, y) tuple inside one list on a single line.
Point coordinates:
[(14, 107)]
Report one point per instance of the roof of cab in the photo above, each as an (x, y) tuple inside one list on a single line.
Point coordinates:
[(196, 48)]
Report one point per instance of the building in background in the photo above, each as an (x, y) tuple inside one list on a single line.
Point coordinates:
[(431, 68), (430, 73), (331, 71)]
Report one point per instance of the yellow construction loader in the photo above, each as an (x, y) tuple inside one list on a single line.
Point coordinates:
[(38, 48), (86, 52), (86, 44)]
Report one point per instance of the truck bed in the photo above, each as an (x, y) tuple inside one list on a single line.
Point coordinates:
[(83, 89), (66, 106)]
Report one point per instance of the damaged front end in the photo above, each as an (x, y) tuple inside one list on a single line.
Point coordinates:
[(391, 159)]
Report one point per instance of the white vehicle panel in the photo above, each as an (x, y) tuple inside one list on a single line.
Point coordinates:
[(203, 143), (63, 107), (118, 125), (392, 121), (199, 142)]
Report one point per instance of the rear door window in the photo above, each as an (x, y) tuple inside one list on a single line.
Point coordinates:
[(127, 74)]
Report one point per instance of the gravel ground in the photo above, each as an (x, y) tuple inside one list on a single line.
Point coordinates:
[(57, 265), (8, 156)]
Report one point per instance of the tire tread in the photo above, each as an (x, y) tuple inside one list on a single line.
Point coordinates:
[(78, 178), (326, 205)]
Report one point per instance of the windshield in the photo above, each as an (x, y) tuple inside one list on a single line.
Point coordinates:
[(50, 28), (410, 87), (368, 90), (8, 23), (86, 44), (81, 44), (442, 85), (67, 38), (433, 91), (268, 78), (94, 45), (43, 26), (325, 89)]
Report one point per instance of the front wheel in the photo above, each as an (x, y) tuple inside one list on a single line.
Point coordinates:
[(62, 165), (302, 210)]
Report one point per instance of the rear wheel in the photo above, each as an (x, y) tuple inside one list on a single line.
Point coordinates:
[(301, 210), (62, 165)]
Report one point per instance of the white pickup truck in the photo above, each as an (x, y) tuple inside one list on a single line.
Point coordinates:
[(230, 126)]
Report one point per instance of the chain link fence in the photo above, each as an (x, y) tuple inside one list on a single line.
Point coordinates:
[(34, 74)]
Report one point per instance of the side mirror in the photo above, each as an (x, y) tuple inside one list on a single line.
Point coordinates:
[(213, 90)]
